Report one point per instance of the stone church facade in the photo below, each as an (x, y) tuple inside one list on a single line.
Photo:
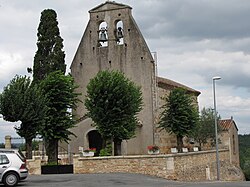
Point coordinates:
[(113, 41)]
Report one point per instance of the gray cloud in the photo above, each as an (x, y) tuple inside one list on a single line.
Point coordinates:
[(194, 41), (196, 19)]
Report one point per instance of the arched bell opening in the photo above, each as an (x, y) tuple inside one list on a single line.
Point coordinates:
[(119, 32), (103, 34)]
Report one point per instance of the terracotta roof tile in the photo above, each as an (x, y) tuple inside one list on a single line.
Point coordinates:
[(226, 124), (167, 83)]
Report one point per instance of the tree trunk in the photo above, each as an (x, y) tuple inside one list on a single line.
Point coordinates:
[(28, 147), (200, 144), (117, 147), (179, 143), (52, 151)]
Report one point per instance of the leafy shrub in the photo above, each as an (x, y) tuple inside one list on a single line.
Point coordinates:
[(246, 172), (107, 151), (52, 164)]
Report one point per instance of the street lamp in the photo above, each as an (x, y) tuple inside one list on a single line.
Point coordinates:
[(216, 130)]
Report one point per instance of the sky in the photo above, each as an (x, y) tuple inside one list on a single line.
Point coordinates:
[(194, 41)]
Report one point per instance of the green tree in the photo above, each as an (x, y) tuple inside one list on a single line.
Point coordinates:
[(113, 102), (23, 101), (205, 130), (59, 90), (49, 56), (179, 115), (244, 147)]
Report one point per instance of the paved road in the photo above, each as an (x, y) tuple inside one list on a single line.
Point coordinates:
[(116, 180)]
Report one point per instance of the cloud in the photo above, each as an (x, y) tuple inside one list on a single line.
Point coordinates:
[(195, 19), (231, 66), (11, 65), (7, 128), (194, 41)]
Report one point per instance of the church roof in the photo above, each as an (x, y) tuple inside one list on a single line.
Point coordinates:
[(167, 83), (109, 5), (226, 124)]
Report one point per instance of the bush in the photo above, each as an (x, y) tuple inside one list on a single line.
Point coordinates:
[(35, 146), (247, 173), (107, 151), (52, 164)]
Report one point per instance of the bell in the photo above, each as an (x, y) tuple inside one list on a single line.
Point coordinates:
[(119, 33), (103, 35)]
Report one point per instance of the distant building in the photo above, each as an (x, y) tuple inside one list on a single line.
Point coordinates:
[(229, 139), (113, 41)]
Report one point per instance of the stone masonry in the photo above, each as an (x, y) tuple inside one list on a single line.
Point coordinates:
[(193, 166)]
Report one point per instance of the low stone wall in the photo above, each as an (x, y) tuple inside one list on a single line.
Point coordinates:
[(193, 166), (201, 165), (151, 165), (34, 164)]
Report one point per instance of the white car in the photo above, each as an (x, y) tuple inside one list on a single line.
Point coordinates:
[(12, 167)]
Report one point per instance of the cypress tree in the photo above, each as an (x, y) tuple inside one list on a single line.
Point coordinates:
[(49, 56)]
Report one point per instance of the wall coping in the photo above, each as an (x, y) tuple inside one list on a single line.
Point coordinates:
[(148, 156), (34, 158)]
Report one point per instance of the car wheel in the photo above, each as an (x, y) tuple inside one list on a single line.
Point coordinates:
[(10, 179)]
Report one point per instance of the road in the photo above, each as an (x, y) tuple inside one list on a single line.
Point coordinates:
[(116, 180)]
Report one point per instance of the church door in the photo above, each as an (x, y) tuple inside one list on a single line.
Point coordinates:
[(95, 141)]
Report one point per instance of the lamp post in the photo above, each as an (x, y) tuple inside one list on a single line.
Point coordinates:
[(216, 131)]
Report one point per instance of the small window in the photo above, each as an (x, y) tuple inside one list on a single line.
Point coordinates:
[(234, 149), (21, 156), (4, 159)]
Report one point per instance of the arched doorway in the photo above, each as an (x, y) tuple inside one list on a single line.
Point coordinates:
[(95, 141)]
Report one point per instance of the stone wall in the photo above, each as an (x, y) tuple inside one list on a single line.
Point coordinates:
[(193, 166), (150, 165), (34, 165)]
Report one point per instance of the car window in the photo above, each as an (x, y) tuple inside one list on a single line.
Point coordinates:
[(21, 156), (4, 159)]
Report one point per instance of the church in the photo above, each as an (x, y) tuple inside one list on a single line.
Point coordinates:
[(113, 41)]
